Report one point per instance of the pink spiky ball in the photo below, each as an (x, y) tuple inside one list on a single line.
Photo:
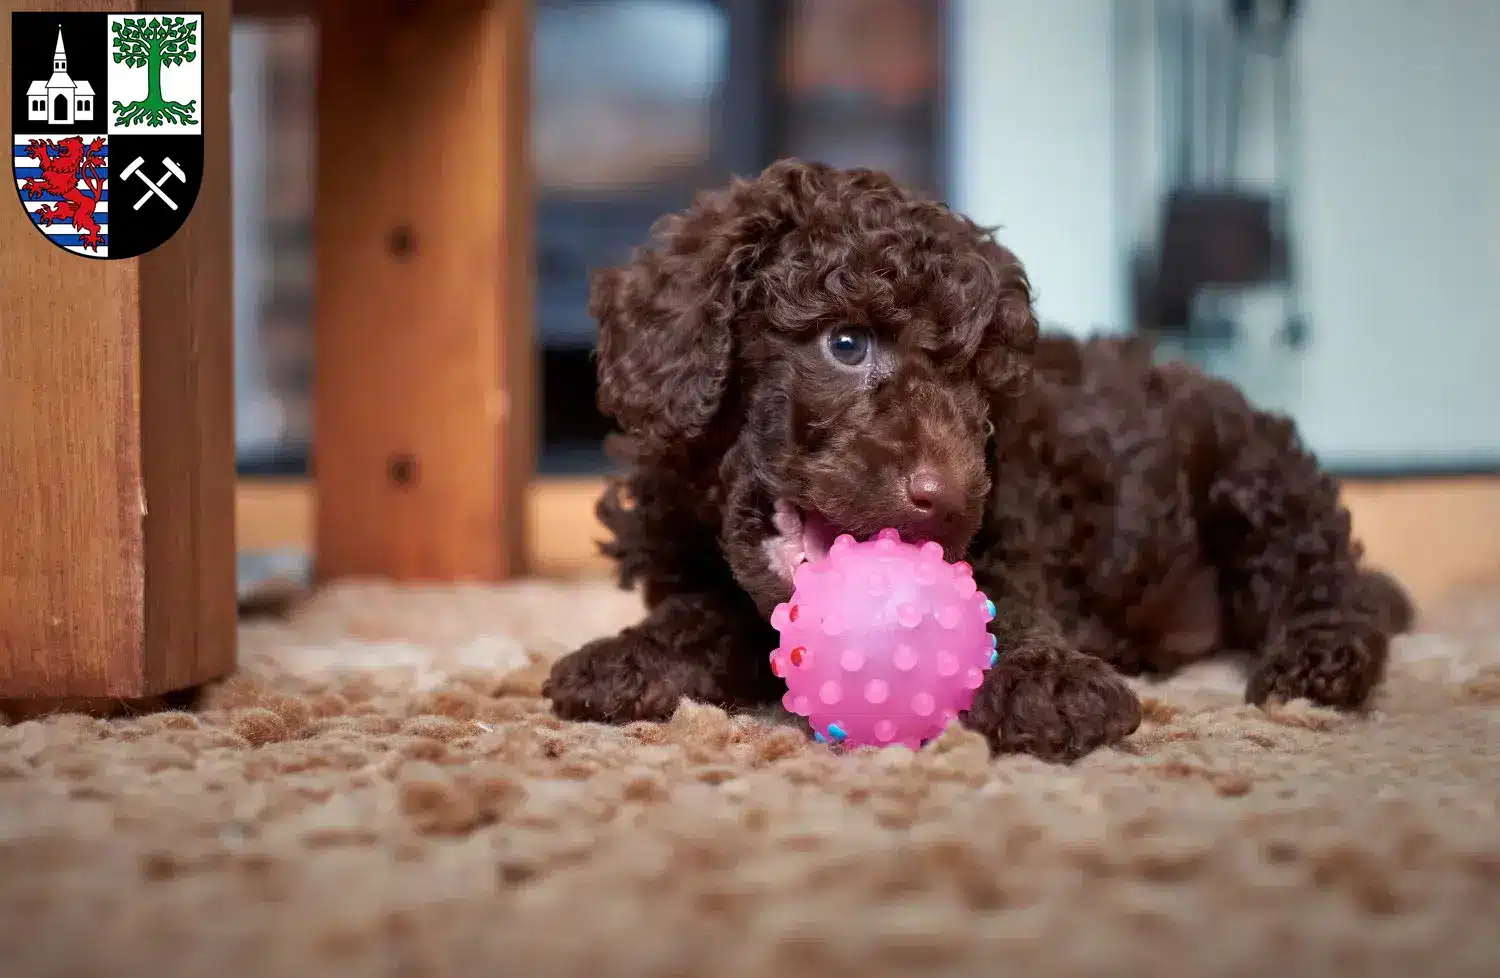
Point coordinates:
[(882, 642)]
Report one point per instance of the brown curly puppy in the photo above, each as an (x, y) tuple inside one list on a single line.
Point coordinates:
[(816, 351)]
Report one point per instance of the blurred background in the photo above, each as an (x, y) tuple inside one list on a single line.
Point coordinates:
[(1302, 196)]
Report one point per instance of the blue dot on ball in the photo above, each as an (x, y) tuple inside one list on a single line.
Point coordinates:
[(819, 737), (994, 658), (836, 732), (989, 608)]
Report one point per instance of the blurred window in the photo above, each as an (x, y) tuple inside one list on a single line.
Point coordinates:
[(625, 94)]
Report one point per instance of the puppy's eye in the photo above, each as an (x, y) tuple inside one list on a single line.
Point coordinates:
[(850, 345)]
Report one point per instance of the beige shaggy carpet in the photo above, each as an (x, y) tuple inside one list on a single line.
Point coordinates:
[(380, 792)]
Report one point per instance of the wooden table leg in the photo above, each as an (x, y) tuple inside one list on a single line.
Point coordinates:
[(422, 444), (117, 574)]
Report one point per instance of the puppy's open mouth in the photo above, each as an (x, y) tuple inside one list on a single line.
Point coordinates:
[(801, 536)]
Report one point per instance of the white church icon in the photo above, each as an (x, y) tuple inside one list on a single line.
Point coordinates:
[(60, 99)]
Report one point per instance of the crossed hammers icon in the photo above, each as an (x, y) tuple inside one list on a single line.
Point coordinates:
[(173, 170)]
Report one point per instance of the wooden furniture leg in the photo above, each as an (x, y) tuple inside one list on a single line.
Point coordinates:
[(117, 575), (422, 443)]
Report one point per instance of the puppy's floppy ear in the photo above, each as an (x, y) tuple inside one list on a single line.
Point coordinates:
[(1005, 361), (666, 347)]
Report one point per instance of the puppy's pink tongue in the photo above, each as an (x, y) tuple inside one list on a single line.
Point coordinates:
[(817, 536)]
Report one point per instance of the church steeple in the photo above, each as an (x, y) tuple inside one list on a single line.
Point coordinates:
[(60, 56)]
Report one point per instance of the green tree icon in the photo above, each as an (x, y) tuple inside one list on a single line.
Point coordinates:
[(152, 42)]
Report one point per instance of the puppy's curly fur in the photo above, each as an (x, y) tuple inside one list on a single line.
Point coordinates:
[(817, 351)]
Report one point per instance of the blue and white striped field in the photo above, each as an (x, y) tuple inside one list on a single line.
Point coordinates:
[(62, 233)]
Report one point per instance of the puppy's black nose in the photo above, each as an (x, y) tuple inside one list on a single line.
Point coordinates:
[(932, 494)]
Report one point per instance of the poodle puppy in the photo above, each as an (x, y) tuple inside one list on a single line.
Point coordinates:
[(817, 351)]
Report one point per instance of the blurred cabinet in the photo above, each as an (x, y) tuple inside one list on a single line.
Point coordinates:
[(863, 83), (273, 117), (630, 116), (636, 105)]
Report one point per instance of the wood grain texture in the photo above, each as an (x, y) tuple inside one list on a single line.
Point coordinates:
[(424, 356), (116, 452), (272, 9), (1441, 536), (187, 405), (562, 532), (273, 514)]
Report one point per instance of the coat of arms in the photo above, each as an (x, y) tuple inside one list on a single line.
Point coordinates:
[(107, 120)]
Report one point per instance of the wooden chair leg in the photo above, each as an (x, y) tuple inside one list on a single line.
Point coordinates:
[(422, 437), (117, 574)]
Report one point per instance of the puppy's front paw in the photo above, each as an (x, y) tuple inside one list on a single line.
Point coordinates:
[(1339, 668), (620, 679), (1056, 704)]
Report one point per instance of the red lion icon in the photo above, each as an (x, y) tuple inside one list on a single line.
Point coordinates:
[(60, 177)]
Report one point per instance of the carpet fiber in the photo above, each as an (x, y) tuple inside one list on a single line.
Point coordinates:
[(380, 791)]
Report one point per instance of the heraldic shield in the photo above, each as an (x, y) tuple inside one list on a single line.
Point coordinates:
[(107, 127)]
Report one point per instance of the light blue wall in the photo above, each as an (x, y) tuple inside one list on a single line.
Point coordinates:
[(1398, 214), (1033, 132), (1401, 225)]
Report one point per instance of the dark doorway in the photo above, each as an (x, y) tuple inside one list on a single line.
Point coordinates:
[(60, 109)]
